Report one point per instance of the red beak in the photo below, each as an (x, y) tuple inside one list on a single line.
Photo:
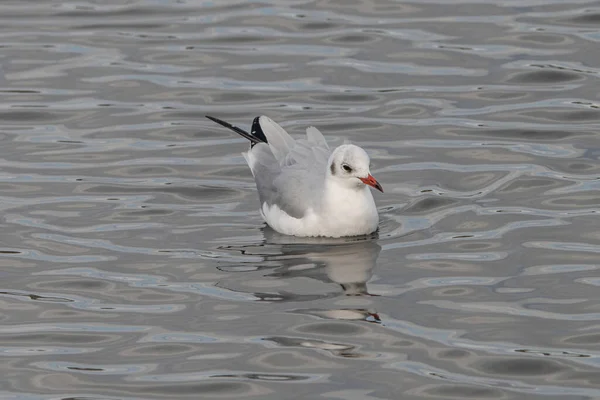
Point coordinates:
[(369, 180)]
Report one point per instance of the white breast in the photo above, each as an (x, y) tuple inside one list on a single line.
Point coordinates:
[(344, 212), (349, 211)]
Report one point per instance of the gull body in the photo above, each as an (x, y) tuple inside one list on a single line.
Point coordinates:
[(306, 189)]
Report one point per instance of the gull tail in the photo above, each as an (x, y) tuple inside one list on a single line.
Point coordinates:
[(256, 136)]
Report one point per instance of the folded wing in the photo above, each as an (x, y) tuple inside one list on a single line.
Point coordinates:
[(288, 171)]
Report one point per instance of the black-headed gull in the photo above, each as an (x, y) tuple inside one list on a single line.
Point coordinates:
[(304, 188)]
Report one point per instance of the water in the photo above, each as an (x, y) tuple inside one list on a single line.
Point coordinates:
[(134, 262)]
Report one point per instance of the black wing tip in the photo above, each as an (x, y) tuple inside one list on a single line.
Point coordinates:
[(257, 130), (252, 138), (217, 120)]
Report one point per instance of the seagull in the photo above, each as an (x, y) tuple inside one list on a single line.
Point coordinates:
[(304, 188)]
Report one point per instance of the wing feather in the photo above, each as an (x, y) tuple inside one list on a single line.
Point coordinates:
[(288, 172), (279, 140)]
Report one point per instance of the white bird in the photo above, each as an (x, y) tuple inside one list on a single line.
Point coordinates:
[(304, 188)]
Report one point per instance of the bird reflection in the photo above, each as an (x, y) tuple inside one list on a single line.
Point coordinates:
[(348, 262)]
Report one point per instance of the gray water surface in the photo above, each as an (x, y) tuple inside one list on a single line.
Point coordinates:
[(134, 263)]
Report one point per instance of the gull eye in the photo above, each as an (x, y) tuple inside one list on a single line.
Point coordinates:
[(347, 168)]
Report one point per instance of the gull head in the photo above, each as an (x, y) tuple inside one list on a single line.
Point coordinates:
[(349, 164)]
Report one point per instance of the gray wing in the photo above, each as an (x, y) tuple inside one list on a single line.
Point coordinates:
[(289, 173)]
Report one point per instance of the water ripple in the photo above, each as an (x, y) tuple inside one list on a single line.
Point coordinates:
[(135, 263)]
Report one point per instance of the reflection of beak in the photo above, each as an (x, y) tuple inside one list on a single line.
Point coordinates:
[(374, 316), (369, 180)]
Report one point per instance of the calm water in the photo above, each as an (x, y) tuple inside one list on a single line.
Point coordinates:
[(134, 262)]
